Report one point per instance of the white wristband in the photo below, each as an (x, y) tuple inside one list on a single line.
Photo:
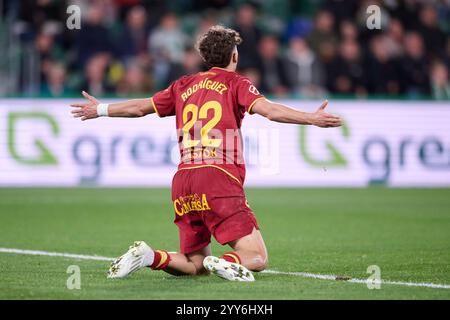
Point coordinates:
[(102, 109)]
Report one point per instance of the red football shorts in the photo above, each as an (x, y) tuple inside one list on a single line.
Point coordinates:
[(207, 201)]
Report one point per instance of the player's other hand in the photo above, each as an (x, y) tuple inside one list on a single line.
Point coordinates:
[(86, 110), (323, 119)]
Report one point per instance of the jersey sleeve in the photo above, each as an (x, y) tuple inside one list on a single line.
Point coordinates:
[(247, 94), (164, 102)]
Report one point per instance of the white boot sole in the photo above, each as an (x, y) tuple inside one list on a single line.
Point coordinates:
[(227, 270)]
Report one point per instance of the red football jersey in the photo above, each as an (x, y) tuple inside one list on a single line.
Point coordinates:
[(209, 108)]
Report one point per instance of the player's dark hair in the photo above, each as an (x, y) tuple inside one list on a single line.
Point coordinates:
[(216, 46)]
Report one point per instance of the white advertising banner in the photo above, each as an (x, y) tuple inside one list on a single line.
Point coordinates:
[(399, 144)]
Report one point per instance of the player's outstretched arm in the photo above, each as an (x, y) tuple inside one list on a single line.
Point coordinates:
[(281, 113), (92, 108)]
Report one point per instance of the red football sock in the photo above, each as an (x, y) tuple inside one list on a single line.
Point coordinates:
[(162, 259), (231, 257)]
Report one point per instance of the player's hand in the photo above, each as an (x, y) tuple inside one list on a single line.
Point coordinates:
[(322, 119), (87, 110)]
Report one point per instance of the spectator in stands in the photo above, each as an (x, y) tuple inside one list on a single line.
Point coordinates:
[(206, 21), (46, 51), (408, 13), (446, 55), (414, 66), (348, 31), (395, 59), (168, 39), (93, 37), (55, 85), (37, 13), (135, 81), (394, 39), (191, 64), (254, 76), (342, 10), (167, 43), (124, 6), (134, 38), (246, 26), (382, 70), (440, 84), (273, 69), (346, 73), (433, 37), (323, 32), (306, 71), (95, 81)]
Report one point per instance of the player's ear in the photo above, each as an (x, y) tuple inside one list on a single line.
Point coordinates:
[(234, 57)]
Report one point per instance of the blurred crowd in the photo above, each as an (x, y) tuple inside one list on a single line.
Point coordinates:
[(136, 47)]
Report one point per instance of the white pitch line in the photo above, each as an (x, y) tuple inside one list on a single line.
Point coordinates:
[(298, 274), (364, 281), (54, 254)]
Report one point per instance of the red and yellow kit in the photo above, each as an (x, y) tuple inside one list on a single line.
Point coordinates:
[(207, 190)]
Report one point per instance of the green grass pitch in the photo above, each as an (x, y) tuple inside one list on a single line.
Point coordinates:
[(406, 232)]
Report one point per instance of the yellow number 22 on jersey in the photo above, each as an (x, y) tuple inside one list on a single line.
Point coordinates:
[(201, 113)]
